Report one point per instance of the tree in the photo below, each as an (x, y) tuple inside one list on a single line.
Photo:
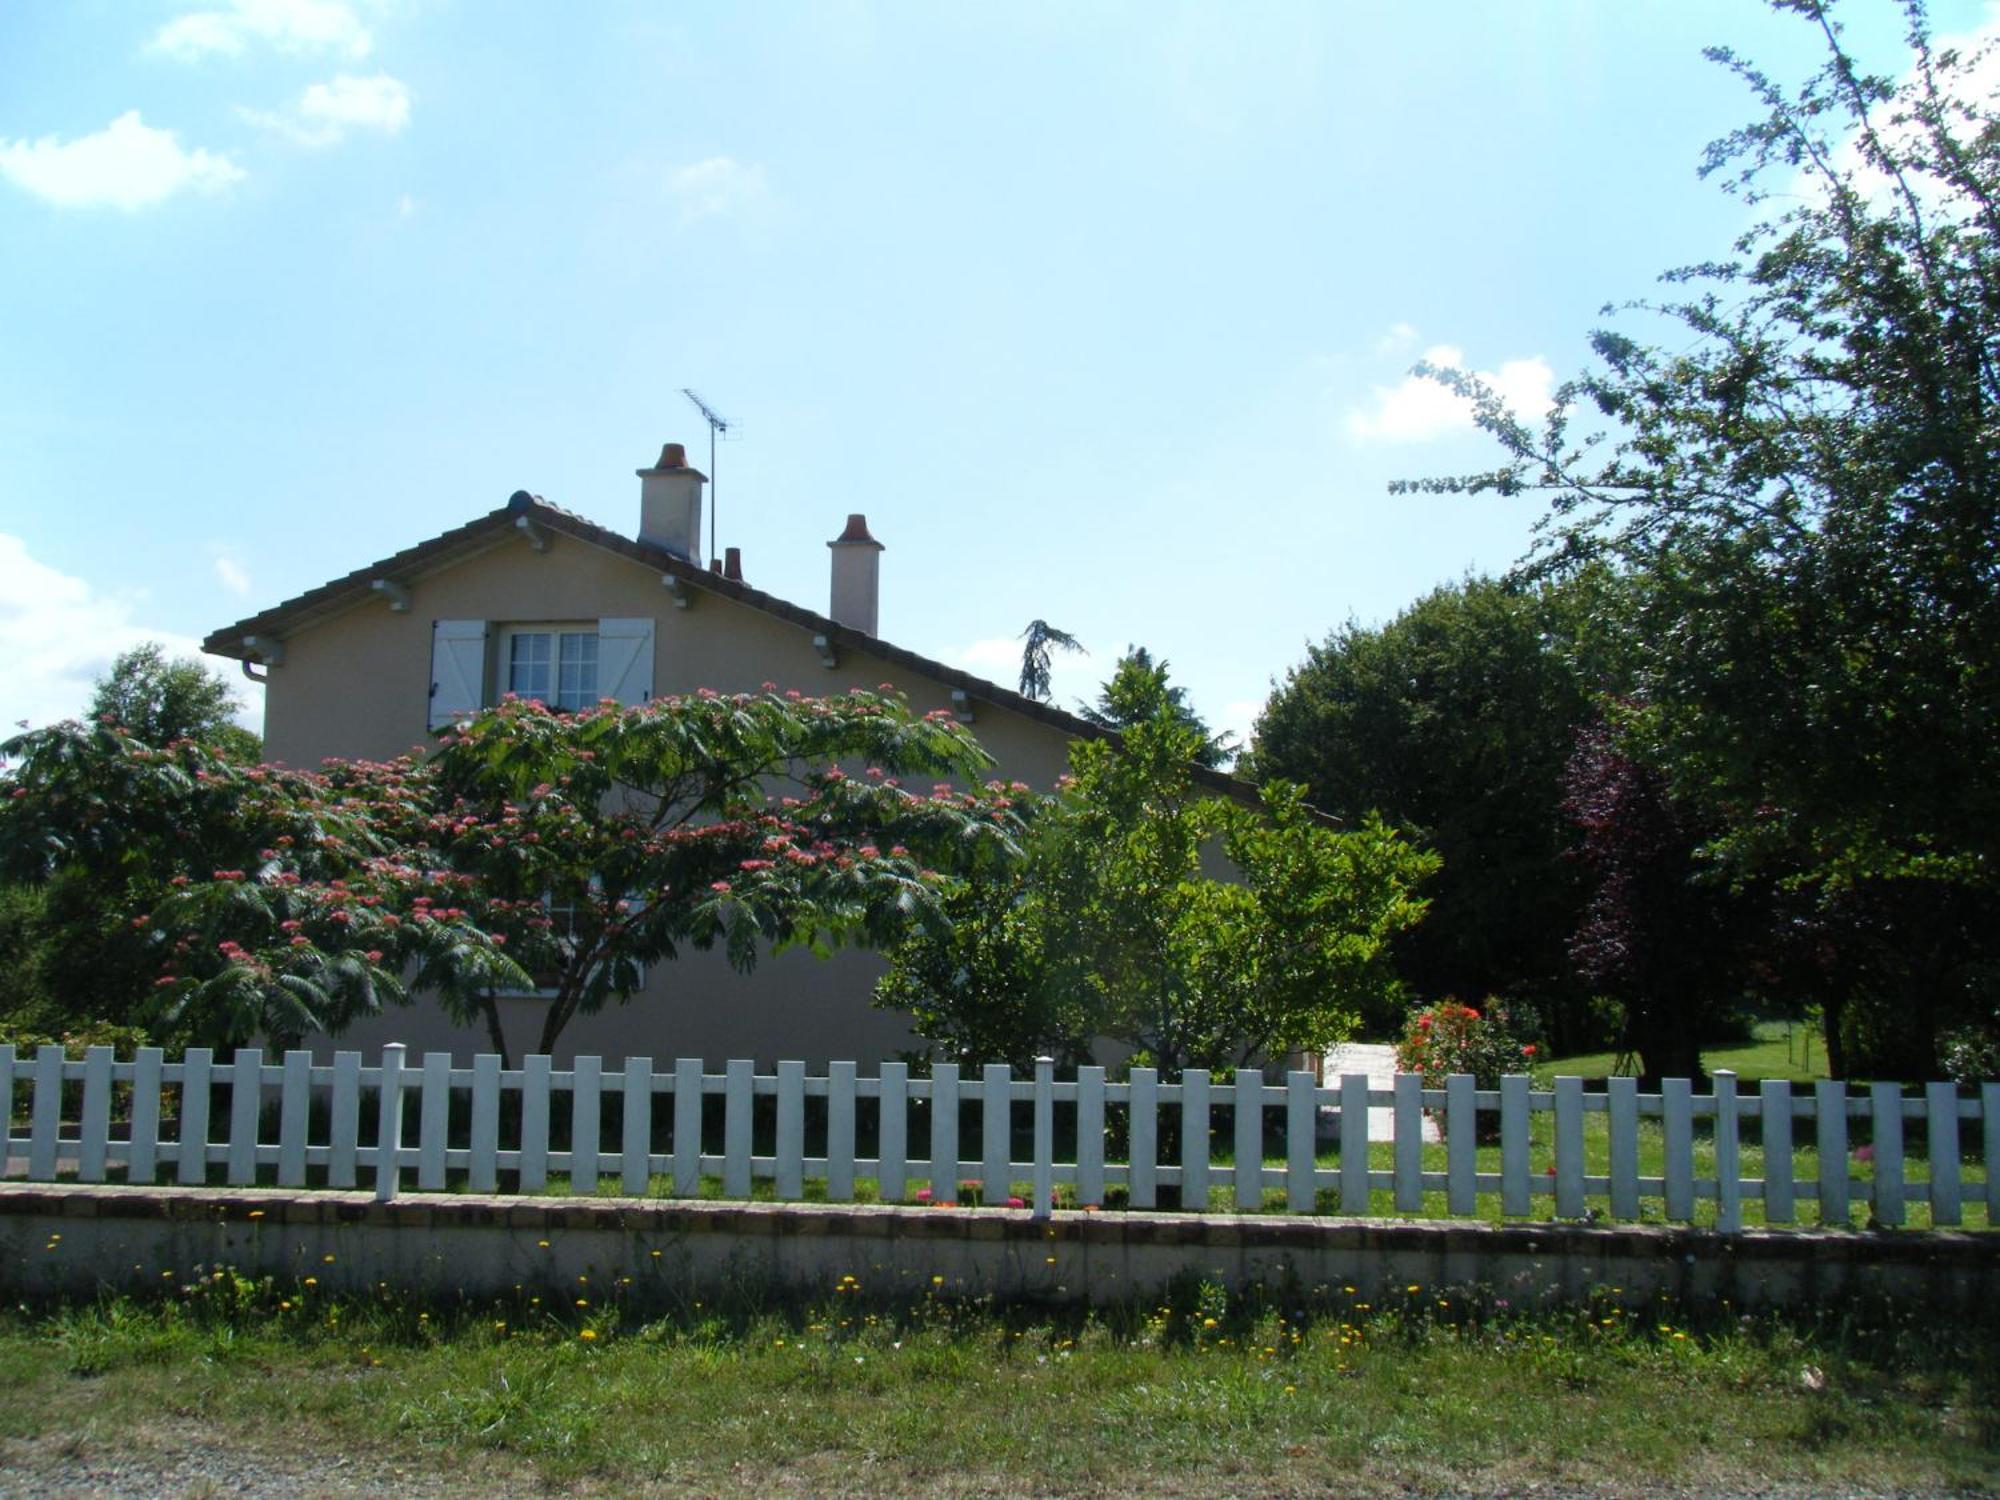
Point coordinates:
[(1801, 480), (1135, 683), (1659, 934), (613, 839), (162, 700), (573, 847), (1454, 722), (1109, 926), (1042, 640)]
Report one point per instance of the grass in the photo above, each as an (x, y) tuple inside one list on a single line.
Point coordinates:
[(1777, 1049), (1433, 1390)]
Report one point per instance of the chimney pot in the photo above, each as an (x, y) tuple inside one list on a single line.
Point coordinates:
[(857, 576), (732, 563), (715, 566), (670, 495)]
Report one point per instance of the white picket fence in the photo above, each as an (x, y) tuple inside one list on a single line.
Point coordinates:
[(321, 1109)]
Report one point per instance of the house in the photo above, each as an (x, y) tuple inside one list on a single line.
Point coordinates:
[(533, 599)]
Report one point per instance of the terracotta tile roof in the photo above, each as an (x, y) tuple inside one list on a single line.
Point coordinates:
[(475, 536)]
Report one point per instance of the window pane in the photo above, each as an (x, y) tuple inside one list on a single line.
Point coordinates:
[(577, 685), (528, 664)]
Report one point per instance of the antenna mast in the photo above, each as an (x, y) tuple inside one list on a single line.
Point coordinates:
[(716, 423)]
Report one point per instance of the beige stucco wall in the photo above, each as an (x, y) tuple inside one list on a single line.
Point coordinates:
[(357, 686)]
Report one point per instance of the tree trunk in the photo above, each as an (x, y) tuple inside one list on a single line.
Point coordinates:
[(489, 1010)]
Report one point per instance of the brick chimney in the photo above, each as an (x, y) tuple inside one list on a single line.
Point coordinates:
[(857, 576), (670, 504)]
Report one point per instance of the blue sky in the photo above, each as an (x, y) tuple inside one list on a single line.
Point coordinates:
[(1101, 312)]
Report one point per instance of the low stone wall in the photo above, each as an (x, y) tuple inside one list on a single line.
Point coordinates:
[(78, 1240)]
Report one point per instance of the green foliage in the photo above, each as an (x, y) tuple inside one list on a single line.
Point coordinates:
[(1136, 683), (1040, 642), (569, 848), (1454, 723), (162, 700), (614, 838), (1110, 927), (1800, 479)]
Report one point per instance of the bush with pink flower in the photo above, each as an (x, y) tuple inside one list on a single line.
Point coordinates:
[(1448, 1038)]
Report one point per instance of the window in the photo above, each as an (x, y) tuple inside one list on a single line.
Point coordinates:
[(567, 665), (557, 665)]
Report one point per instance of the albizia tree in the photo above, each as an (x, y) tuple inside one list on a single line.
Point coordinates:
[(531, 850)]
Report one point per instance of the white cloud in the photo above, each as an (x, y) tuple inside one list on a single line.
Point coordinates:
[(720, 187), (231, 575), (127, 165), (1399, 337), (58, 635), (325, 112), (1419, 409), (297, 26)]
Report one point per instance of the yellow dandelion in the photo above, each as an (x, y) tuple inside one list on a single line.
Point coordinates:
[(326, 1260), (589, 1335)]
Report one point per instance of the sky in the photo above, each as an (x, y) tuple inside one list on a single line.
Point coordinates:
[(1103, 313)]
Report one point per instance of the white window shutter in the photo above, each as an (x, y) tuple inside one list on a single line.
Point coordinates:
[(625, 660), (458, 670)]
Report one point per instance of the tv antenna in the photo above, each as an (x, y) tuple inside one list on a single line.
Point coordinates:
[(716, 423)]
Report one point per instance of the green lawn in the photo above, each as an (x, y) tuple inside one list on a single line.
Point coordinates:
[(1780, 1049), (1311, 1390)]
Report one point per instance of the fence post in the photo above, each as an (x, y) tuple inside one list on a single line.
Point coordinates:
[(45, 1128), (1728, 1156), (389, 1134), (1045, 1135)]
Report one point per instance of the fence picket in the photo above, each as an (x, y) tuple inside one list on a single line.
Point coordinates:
[(482, 1173), (1947, 1192), (687, 1126), (1043, 1184), (389, 1132), (1248, 1175), (1989, 1119), (1409, 1091), (1143, 1128), (143, 1154), (344, 1121), (840, 1132), (635, 1137), (1780, 1194), (1622, 1097), (294, 1117), (1515, 1194), (94, 1143), (246, 1099), (1090, 1136), (944, 1133), (6, 1107), (790, 1166), (1569, 1148), (738, 1100), (1885, 1109), (1728, 1156), (434, 1121), (1354, 1143), (537, 1083), (45, 1124), (1195, 1120), (192, 1155), (1461, 1142), (1835, 1186), (892, 1133), (1677, 1127), (1301, 1142), (586, 1125), (996, 1134)]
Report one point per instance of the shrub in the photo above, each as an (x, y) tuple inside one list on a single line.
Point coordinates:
[(1446, 1038)]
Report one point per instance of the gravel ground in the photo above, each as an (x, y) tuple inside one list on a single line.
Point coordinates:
[(154, 1463)]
